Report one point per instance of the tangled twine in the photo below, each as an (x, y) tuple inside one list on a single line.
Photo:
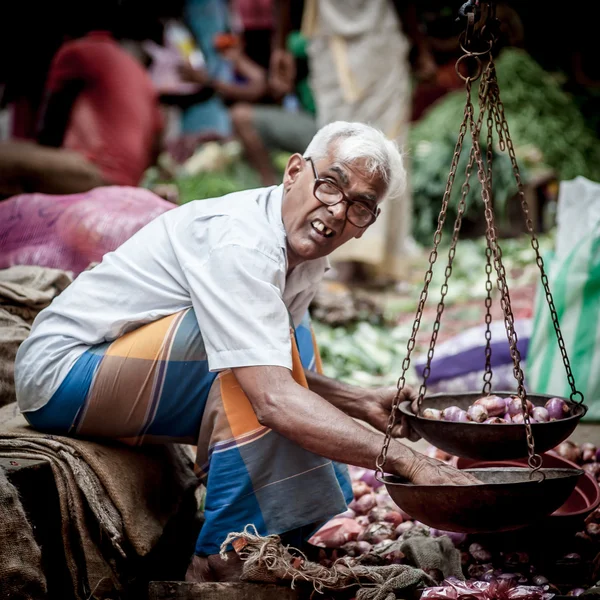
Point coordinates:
[(267, 560)]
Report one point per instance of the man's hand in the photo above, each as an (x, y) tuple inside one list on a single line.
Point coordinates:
[(192, 75), (279, 87), (282, 66), (380, 405), (429, 471)]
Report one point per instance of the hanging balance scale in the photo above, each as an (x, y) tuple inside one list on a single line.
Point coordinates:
[(507, 497)]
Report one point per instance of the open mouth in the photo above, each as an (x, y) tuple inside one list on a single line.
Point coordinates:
[(322, 229)]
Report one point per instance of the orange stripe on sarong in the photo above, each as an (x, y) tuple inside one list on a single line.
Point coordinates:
[(145, 342), (240, 414)]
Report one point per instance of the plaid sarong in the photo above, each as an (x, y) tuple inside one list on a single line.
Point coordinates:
[(152, 385)]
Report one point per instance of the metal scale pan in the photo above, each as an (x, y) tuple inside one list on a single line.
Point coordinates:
[(506, 499), (488, 441)]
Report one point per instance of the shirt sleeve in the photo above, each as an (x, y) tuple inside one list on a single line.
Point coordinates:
[(65, 67), (237, 297)]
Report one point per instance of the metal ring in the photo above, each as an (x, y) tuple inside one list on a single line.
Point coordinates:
[(486, 30), (535, 461), (477, 72), (462, 41), (576, 394)]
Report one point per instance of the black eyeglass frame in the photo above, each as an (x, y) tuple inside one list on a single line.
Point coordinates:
[(349, 202)]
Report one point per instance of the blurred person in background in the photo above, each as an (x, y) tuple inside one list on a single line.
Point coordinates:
[(100, 121), (227, 69), (201, 69), (256, 22), (288, 124), (359, 56)]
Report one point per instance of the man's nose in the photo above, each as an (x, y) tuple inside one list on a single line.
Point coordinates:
[(338, 211)]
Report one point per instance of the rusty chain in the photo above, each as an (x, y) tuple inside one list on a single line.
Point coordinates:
[(437, 238), (466, 186), (487, 373), (502, 125), (534, 460)]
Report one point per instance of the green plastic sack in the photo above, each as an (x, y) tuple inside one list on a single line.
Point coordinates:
[(574, 276)]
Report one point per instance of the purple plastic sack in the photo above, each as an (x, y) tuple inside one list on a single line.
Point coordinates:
[(70, 232)]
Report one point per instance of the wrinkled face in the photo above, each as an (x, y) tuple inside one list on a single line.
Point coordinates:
[(314, 229)]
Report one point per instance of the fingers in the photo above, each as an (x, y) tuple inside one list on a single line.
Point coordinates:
[(407, 432)]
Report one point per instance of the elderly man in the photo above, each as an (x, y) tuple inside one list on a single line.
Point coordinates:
[(196, 331)]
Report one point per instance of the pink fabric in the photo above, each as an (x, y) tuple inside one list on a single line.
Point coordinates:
[(70, 232), (255, 14)]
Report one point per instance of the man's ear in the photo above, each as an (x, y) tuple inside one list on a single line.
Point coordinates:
[(293, 169)]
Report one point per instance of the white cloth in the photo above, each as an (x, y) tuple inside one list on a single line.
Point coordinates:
[(225, 257), (359, 71)]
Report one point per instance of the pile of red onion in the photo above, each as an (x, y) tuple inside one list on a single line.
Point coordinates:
[(496, 410)]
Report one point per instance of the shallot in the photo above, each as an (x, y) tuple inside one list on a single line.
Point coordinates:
[(576, 592), (456, 538), (515, 406), (403, 528), (336, 533), (592, 468), (479, 553), (495, 421), (588, 452), (495, 405), (369, 478), (378, 513), (477, 413), (362, 520), (540, 414), (569, 450), (454, 413), (557, 409), (364, 504), (393, 517), (519, 419), (433, 413), (360, 488)]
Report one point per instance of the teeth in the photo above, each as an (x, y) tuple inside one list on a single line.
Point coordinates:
[(319, 226)]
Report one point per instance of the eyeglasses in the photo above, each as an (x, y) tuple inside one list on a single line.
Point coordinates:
[(328, 193)]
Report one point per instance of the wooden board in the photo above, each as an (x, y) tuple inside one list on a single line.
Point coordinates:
[(183, 590)]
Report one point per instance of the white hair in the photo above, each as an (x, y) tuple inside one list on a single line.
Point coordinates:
[(348, 142)]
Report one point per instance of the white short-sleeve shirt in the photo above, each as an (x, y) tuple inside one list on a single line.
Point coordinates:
[(225, 257)]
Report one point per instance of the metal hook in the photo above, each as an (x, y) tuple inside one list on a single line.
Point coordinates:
[(469, 6)]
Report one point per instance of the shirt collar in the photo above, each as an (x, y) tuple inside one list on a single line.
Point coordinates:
[(307, 273)]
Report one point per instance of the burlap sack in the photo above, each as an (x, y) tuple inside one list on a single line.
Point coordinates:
[(21, 576), (126, 496), (24, 291)]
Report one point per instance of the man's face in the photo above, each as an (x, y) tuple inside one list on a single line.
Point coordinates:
[(314, 229)]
